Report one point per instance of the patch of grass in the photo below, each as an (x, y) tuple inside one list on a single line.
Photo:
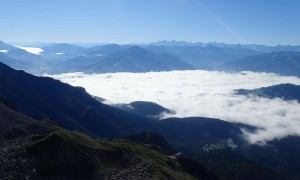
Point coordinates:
[(73, 154)]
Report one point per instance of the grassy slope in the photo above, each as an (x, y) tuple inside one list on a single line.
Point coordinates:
[(40, 149), (71, 154)]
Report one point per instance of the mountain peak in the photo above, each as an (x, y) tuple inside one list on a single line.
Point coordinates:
[(136, 49)]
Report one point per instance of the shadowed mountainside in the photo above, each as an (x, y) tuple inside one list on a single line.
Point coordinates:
[(283, 91), (41, 150), (144, 108), (282, 62)]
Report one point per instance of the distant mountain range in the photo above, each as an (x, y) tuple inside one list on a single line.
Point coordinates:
[(132, 59), (204, 57), (158, 56), (14, 63), (254, 47), (20, 59), (282, 62), (283, 91), (17, 53), (61, 52)]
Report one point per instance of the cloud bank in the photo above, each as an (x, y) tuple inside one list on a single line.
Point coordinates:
[(4, 51), (33, 50), (202, 93)]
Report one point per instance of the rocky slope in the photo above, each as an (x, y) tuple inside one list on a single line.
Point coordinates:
[(31, 149)]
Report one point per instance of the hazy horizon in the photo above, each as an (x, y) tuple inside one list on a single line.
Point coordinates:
[(88, 43)]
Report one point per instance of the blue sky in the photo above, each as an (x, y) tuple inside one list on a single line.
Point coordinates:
[(268, 22)]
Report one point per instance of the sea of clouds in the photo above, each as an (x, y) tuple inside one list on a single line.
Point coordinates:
[(201, 93)]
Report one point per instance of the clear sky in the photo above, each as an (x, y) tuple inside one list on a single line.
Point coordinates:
[(268, 22)]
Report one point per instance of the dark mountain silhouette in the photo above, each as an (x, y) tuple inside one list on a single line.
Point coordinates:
[(14, 124), (283, 63), (283, 91), (148, 108), (183, 133), (144, 108), (281, 156), (68, 106)]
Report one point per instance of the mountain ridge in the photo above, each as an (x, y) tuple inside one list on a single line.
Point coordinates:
[(132, 59), (281, 62), (283, 91), (41, 150)]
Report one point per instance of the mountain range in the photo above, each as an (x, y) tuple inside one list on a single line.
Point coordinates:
[(204, 57), (132, 59), (217, 144), (17, 53), (282, 62), (159, 56)]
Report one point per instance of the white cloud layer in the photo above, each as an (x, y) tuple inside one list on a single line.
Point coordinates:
[(202, 93), (33, 50), (4, 51)]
